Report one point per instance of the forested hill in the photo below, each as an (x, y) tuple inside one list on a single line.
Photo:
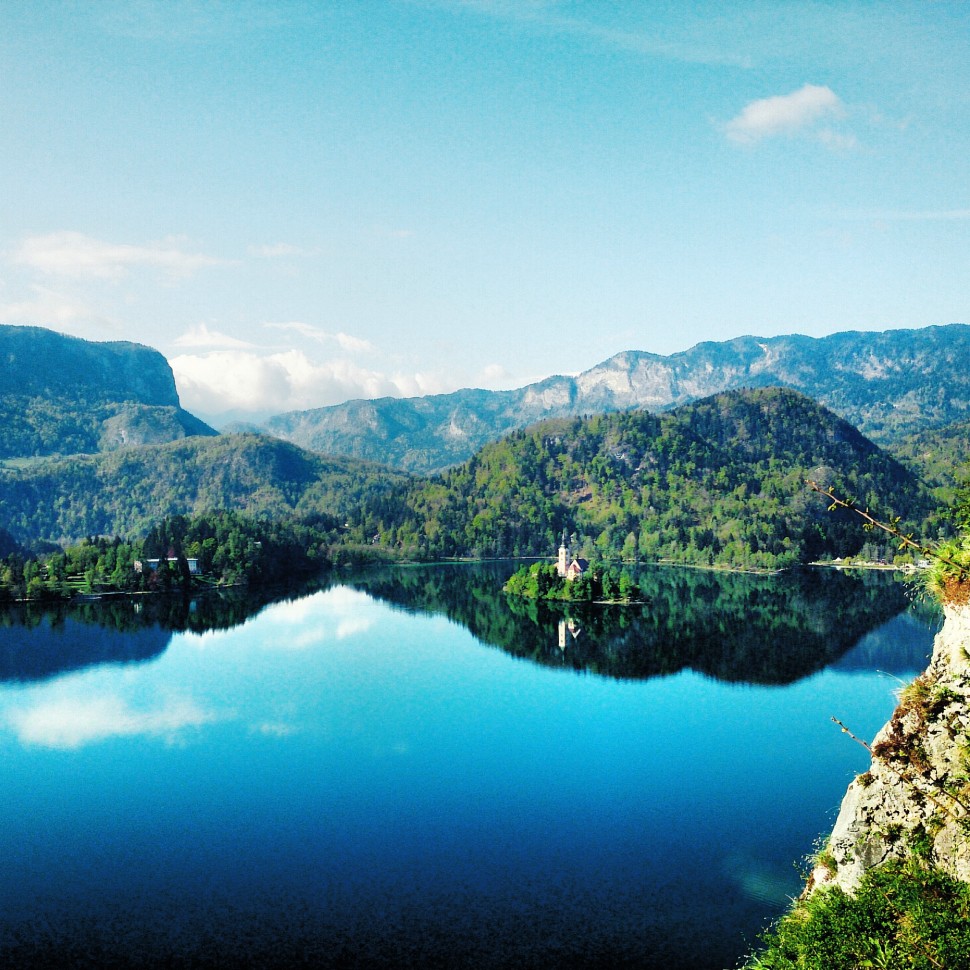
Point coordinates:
[(63, 395), (721, 480), (127, 492), (888, 384), (718, 481), (940, 456)]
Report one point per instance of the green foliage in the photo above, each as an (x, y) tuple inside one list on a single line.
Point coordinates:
[(125, 493), (608, 584), (231, 548), (948, 577), (940, 457), (718, 481), (905, 914)]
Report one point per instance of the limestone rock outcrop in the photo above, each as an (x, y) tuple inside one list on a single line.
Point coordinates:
[(915, 797), (61, 395)]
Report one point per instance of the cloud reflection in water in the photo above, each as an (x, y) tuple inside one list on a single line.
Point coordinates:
[(71, 722)]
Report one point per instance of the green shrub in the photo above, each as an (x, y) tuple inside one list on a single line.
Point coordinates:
[(904, 914)]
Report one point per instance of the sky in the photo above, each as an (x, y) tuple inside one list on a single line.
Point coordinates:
[(300, 203)]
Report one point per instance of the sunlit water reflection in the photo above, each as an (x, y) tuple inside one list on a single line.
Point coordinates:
[(341, 781)]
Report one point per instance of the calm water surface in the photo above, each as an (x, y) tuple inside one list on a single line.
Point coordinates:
[(407, 770)]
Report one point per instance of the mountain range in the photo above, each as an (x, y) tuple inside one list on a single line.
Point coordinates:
[(716, 478), (887, 384)]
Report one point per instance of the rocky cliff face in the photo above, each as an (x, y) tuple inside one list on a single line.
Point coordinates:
[(915, 797), (41, 363), (63, 395)]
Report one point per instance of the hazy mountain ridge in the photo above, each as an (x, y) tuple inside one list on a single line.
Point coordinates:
[(718, 479), (887, 384), (64, 395)]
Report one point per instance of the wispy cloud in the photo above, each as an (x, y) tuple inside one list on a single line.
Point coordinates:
[(46, 307), (201, 336), (78, 256), (497, 376), (786, 114), (282, 250), (275, 729), (345, 341), (544, 15), (902, 215)]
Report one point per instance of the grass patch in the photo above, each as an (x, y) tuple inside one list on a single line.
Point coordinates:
[(905, 914)]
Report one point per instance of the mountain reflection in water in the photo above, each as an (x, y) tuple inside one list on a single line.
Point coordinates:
[(733, 626), (118, 629), (410, 767)]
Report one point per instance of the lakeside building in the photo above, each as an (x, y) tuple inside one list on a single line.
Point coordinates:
[(151, 565), (569, 567)]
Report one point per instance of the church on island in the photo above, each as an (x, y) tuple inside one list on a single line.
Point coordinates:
[(568, 567)]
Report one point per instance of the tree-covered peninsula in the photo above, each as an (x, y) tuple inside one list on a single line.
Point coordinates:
[(181, 553)]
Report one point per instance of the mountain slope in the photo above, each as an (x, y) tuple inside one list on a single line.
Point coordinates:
[(887, 384), (941, 456), (64, 395), (720, 480), (126, 492)]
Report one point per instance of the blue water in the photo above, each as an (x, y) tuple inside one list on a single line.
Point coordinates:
[(342, 782)]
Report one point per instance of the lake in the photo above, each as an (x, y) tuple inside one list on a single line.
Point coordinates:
[(404, 768)]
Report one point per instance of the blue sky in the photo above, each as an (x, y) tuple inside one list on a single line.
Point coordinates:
[(304, 202)]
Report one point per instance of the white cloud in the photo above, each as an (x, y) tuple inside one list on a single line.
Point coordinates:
[(227, 380), (49, 308), (352, 344), (71, 722), (77, 256), (837, 141), (785, 114), (497, 376), (275, 729), (202, 336)]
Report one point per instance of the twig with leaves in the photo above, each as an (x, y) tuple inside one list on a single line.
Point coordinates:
[(905, 539)]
